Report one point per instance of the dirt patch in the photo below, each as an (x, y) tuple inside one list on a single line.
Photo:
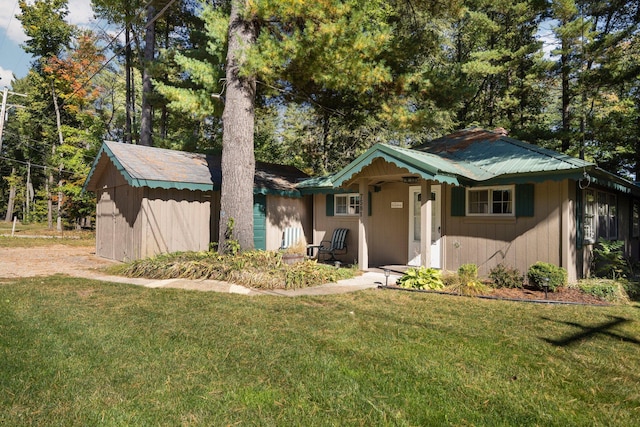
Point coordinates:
[(79, 261)]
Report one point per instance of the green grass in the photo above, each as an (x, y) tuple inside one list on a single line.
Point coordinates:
[(79, 352), (32, 235)]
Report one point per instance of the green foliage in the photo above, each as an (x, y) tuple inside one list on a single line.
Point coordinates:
[(421, 278), (465, 281), (506, 277), (256, 269), (543, 273), (605, 289), (609, 260), (231, 245), (468, 271), (44, 24)]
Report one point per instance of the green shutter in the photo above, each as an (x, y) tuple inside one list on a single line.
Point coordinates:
[(260, 221), (330, 208), (524, 199), (369, 203), (458, 195)]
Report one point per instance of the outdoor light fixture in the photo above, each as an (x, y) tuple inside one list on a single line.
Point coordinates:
[(409, 179), (545, 285), (386, 276)]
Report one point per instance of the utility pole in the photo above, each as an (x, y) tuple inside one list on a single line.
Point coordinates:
[(3, 110)]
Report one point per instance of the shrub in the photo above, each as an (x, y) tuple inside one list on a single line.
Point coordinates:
[(609, 261), (465, 282), (541, 271), (605, 289), (468, 271), (421, 278), (506, 277)]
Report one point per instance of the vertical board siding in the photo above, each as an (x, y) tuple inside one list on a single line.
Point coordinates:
[(388, 234), (176, 220), (283, 212), (515, 242), (324, 226)]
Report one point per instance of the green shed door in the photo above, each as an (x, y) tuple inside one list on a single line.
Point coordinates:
[(260, 221)]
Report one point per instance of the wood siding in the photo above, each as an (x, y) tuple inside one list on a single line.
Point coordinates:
[(515, 242), (285, 212), (134, 223), (324, 225), (117, 226)]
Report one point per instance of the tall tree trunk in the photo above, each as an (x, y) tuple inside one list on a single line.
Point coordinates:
[(238, 160), (146, 115), (127, 71)]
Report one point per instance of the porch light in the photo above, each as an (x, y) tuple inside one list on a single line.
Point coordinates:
[(409, 179)]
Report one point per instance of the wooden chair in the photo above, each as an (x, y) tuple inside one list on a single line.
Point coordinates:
[(337, 244), (290, 236)]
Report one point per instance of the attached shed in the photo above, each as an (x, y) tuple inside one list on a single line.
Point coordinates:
[(152, 200)]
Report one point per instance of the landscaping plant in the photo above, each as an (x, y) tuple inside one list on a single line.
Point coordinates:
[(543, 273), (421, 278), (256, 269), (606, 289), (503, 276)]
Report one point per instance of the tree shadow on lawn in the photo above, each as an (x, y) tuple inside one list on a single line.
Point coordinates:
[(590, 331)]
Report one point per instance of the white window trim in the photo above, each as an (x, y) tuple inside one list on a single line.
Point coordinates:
[(511, 188), (347, 196)]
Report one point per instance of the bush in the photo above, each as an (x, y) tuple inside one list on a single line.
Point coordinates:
[(421, 278), (541, 271), (506, 277), (468, 271), (605, 289), (465, 281)]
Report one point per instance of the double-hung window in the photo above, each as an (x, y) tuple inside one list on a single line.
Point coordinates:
[(600, 215), (347, 204), (496, 201)]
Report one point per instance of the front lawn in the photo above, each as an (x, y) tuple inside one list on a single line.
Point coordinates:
[(79, 352)]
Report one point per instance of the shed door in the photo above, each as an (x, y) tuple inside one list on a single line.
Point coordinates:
[(260, 221)]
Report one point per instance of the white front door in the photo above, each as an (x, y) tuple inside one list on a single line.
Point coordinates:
[(415, 201)]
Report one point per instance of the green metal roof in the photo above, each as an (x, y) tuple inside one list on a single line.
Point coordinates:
[(153, 167), (474, 157), (497, 154)]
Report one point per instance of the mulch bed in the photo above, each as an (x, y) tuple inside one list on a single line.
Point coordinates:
[(566, 295)]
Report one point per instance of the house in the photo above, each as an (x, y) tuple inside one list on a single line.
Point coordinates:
[(490, 199), (152, 200)]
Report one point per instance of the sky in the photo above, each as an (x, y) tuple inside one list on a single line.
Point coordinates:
[(13, 60)]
